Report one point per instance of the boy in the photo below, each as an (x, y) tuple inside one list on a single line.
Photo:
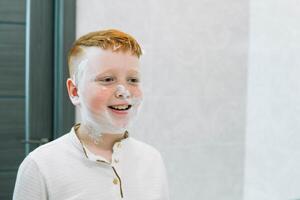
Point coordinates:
[(98, 159)]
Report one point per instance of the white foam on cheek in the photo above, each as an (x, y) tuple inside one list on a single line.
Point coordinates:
[(81, 68), (136, 105)]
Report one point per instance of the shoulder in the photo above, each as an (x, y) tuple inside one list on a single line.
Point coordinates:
[(143, 149), (142, 146), (28, 165), (48, 150)]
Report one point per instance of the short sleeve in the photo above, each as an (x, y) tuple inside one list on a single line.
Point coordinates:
[(30, 184)]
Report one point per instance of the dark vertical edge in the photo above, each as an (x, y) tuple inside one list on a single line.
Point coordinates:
[(69, 37), (58, 46), (65, 31), (39, 71), (27, 72)]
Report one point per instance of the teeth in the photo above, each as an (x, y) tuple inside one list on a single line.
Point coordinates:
[(123, 107)]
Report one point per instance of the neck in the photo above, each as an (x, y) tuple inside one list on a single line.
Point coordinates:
[(106, 140)]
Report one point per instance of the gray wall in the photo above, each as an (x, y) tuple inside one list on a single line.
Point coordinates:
[(195, 75), (273, 111), (221, 80)]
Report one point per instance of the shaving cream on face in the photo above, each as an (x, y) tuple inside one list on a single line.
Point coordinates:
[(105, 122), (122, 91), (80, 71)]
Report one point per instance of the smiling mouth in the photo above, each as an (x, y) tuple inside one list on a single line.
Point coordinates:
[(120, 107)]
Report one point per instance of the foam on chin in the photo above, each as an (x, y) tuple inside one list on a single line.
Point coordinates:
[(106, 123)]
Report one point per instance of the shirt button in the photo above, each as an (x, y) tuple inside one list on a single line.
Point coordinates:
[(115, 181), (116, 160)]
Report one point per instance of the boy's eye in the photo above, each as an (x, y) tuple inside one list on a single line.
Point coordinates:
[(134, 80), (107, 79)]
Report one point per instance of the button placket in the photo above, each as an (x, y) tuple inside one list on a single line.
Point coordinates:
[(115, 155), (115, 164), (117, 181), (116, 186)]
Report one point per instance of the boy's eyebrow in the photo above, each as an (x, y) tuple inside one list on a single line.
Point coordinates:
[(131, 72), (134, 71), (103, 73), (99, 76)]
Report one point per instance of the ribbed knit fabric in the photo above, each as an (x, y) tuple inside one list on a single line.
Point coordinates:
[(61, 170)]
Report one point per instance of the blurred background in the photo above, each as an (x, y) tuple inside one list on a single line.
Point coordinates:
[(221, 83)]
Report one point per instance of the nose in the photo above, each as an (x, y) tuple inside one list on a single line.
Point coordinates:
[(122, 92)]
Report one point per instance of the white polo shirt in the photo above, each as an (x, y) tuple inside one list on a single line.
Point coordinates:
[(65, 170)]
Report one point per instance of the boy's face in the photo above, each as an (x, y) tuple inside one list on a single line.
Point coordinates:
[(106, 80)]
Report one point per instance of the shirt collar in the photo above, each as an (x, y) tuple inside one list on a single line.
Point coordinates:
[(77, 125), (89, 154)]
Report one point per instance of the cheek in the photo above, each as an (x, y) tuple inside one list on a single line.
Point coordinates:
[(97, 99), (137, 92)]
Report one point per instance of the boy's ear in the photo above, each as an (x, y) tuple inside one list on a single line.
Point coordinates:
[(72, 91)]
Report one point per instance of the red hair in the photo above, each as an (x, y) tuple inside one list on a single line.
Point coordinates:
[(112, 39)]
